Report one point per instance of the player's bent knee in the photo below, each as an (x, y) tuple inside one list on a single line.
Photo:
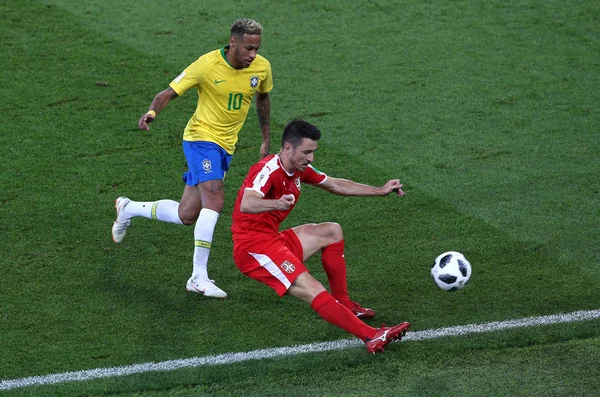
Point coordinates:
[(337, 234), (214, 203), (306, 287), (331, 231), (188, 219), (188, 222)]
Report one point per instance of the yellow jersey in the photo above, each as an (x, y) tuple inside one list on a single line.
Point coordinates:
[(224, 96)]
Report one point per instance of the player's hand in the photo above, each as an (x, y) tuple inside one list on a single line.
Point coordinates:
[(146, 119), (395, 186), (265, 148), (285, 202)]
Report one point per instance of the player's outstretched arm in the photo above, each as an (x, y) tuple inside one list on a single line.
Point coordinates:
[(263, 109), (254, 203), (160, 101), (346, 187)]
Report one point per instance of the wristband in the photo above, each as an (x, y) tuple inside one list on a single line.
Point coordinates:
[(151, 113)]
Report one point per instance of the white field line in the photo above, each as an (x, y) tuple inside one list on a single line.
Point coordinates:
[(230, 358)]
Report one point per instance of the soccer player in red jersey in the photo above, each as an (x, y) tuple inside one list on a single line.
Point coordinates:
[(269, 192)]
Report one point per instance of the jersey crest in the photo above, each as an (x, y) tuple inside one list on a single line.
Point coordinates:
[(254, 81), (288, 267), (207, 165)]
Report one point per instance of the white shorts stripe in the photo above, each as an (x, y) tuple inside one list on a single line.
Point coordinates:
[(272, 268)]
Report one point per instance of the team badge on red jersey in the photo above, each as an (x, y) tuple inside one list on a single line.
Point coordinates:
[(288, 267)]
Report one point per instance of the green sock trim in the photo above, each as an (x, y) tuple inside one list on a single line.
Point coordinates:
[(202, 244), (153, 211)]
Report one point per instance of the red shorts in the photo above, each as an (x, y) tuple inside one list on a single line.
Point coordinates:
[(276, 262)]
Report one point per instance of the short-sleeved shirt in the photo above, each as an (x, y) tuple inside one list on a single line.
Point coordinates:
[(224, 96), (272, 181)]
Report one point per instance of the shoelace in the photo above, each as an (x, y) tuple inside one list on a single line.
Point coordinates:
[(124, 225)]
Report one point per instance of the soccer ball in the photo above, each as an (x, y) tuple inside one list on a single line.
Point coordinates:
[(451, 271)]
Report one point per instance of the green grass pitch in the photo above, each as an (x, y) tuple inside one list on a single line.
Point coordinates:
[(488, 112)]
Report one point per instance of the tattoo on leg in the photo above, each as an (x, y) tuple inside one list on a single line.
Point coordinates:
[(215, 186)]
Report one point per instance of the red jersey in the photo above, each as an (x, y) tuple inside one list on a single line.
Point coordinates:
[(268, 178)]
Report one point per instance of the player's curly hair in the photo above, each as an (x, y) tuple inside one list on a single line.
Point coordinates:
[(246, 26), (296, 130)]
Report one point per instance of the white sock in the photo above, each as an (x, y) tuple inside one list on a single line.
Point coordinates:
[(203, 234), (162, 210)]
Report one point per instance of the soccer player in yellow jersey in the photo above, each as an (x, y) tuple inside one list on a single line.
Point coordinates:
[(226, 80)]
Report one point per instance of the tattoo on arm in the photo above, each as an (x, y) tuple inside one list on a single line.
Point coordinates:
[(162, 99), (263, 108)]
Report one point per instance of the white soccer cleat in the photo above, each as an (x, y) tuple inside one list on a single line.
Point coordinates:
[(206, 288), (120, 226)]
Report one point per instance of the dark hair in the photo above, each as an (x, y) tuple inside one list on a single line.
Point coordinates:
[(246, 26), (297, 130)]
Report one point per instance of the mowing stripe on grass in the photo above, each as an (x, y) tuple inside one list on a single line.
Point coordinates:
[(230, 358)]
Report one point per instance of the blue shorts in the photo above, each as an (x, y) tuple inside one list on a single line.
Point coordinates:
[(206, 161)]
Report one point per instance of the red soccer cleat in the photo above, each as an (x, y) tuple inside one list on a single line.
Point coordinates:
[(386, 335), (362, 312)]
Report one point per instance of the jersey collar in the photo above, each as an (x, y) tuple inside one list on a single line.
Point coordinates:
[(223, 50), (282, 167)]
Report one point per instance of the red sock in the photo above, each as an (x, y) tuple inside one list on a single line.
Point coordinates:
[(334, 264), (337, 314)]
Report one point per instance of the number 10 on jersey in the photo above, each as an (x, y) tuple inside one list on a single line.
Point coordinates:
[(235, 101)]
